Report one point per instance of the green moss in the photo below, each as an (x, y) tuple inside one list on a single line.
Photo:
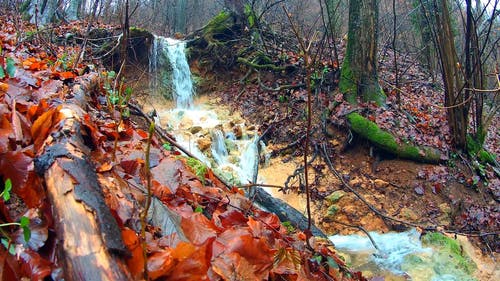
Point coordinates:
[(332, 210), (335, 196), (372, 132), (449, 249), (386, 141), (347, 86), (218, 24), (487, 157), (198, 168)]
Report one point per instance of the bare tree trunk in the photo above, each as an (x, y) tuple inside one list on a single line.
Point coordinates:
[(74, 9), (455, 98), (42, 11), (180, 16), (359, 76)]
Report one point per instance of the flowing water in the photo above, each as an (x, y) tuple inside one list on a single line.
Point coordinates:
[(226, 146), (231, 148)]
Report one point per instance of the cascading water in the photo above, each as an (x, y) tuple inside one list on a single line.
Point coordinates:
[(218, 147), (167, 56), (181, 75), (236, 157)]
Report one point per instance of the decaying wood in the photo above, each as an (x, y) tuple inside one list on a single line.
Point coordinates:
[(90, 246), (284, 211), (82, 251)]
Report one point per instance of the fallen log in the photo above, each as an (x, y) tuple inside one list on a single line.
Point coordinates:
[(90, 244), (387, 142), (284, 211)]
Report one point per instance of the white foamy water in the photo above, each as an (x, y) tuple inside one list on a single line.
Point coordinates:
[(240, 164)]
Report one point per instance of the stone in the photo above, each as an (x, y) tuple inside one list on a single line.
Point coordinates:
[(251, 128), (204, 143), (195, 129), (238, 132), (335, 196), (380, 183)]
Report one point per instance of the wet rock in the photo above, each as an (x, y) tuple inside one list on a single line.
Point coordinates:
[(195, 129), (204, 143), (335, 196), (238, 132), (251, 128), (380, 183)]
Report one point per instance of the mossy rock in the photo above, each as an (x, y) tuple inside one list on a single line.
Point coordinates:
[(335, 196), (449, 249), (387, 142), (332, 210)]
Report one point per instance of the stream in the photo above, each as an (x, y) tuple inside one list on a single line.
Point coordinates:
[(230, 146)]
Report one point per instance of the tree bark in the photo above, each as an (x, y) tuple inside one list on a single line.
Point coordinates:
[(91, 246), (359, 76), (73, 11)]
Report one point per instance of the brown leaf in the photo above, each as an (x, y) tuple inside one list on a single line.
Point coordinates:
[(16, 166), (198, 229), (43, 124), (136, 262), (34, 265), (160, 264)]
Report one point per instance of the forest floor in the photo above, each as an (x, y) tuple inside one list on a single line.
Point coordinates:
[(38, 79), (449, 197)]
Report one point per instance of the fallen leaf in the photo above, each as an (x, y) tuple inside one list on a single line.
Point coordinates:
[(136, 262)]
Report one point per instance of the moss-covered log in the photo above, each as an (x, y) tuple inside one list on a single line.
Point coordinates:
[(387, 142)]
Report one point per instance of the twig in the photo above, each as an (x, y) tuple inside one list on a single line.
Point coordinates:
[(144, 214)]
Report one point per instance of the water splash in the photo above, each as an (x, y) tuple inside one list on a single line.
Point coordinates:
[(218, 147), (249, 160), (401, 254)]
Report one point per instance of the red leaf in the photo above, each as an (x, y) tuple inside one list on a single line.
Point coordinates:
[(34, 265), (136, 262), (160, 264), (15, 165), (198, 229)]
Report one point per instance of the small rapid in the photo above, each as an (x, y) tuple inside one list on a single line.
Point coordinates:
[(229, 148)]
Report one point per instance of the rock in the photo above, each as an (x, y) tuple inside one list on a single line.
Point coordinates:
[(195, 129), (445, 208), (380, 183), (204, 143), (335, 196), (238, 132), (251, 128)]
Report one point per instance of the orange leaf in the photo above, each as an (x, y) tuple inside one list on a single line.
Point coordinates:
[(66, 75), (4, 87), (183, 250), (136, 262), (43, 124), (160, 264), (104, 167)]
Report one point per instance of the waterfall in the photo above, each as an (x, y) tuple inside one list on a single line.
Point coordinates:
[(249, 160), (182, 85), (218, 147)]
